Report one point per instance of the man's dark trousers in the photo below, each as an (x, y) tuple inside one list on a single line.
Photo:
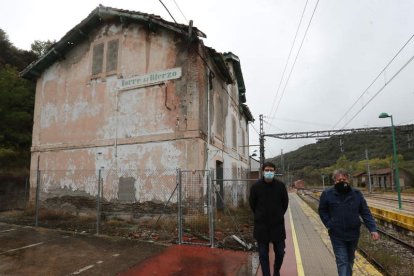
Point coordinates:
[(279, 249)]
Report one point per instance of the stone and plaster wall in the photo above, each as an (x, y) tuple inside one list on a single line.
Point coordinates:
[(84, 122)]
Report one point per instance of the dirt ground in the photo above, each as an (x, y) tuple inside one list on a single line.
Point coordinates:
[(147, 221), (40, 251), (31, 251)]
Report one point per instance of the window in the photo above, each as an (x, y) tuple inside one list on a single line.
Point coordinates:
[(112, 55), (97, 61), (105, 56), (234, 125)]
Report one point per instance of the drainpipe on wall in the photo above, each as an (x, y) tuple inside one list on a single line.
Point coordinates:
[(208, 118)]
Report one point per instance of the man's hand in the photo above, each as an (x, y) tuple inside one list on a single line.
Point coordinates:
[(375, 236)]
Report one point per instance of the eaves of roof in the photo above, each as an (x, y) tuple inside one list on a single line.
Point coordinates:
[(247, 113), (98, 16), (220, 63), (239, 75)]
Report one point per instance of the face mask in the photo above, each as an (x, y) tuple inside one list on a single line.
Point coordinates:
[(342, 187), (268, 175)]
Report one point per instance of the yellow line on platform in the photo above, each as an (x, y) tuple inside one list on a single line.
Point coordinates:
[(296, 246)]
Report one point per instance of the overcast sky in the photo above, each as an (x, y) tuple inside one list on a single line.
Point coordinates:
[(347, 45)]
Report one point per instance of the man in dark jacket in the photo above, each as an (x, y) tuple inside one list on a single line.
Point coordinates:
[(269, 202), (339, 209)]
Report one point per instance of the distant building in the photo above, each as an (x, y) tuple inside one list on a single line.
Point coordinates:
[(381, 179), (125, 90), (299, 184)]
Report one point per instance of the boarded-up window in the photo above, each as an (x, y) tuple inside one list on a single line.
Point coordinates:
[(219, 116), (97, 62), (234, 132), (243, 143), (126, 190), (112, 55)]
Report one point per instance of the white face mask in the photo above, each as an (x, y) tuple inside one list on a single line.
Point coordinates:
[(268, 175)]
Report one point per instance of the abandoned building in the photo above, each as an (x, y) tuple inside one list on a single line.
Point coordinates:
[(382, 179), (126, 91)]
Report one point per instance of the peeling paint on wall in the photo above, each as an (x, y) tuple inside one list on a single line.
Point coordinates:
[(136, 138)]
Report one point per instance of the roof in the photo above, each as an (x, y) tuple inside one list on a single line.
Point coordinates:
[(239, 76), (98, 16), (382, 171), (247, 112), (358, 174), (221, 64), (101, 15)]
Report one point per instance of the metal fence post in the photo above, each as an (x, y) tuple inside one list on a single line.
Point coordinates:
[(98, 200), (37, 197), (210, 208), (25, 192), (179, 215)]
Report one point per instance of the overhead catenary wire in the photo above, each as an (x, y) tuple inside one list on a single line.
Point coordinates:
[(178, 7), (255, 129), (287, 60), (376, 78), (197, 52), (379, 91), (168, 11), (297, 54)]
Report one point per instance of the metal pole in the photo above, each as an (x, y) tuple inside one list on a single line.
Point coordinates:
[(179, 215), (369, 172), (323, 181), (25, 192), (98, 200), (210, 208), (37, 192), (397, 174), (261, 140)]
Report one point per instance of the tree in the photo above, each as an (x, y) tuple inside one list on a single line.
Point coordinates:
[(13, 56), (40, 47), (16, 118)]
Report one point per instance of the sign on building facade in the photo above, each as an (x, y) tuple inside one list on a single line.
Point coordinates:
[(149, 79)]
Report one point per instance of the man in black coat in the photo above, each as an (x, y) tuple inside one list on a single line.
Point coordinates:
[(269, 201)]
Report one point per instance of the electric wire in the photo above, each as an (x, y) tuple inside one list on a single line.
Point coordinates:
[(293, 66), (168, 11), (376, 78), (379, 91), (270, 124), (287, 60), (406, 122), (180, 11), (255, 129)]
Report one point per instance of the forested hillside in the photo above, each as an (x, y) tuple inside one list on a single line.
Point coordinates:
[(16, 107), (326, 152)]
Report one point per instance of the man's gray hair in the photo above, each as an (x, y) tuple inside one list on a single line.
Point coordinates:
[(339, 171)]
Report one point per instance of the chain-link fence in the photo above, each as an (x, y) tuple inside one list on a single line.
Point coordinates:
[(233, 219), (14, 192), (207, 207)]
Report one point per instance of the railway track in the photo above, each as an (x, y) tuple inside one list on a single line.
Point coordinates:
[(408, 201), (392, 237), (374, 196)]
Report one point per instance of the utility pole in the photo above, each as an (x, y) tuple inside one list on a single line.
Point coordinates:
[(261, 140), (369, 172), (282, 165)]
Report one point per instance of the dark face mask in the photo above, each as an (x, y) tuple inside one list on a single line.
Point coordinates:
[(342, 187)]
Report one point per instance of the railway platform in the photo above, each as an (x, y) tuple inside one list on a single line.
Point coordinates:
[(308, 248), (308, 252)]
